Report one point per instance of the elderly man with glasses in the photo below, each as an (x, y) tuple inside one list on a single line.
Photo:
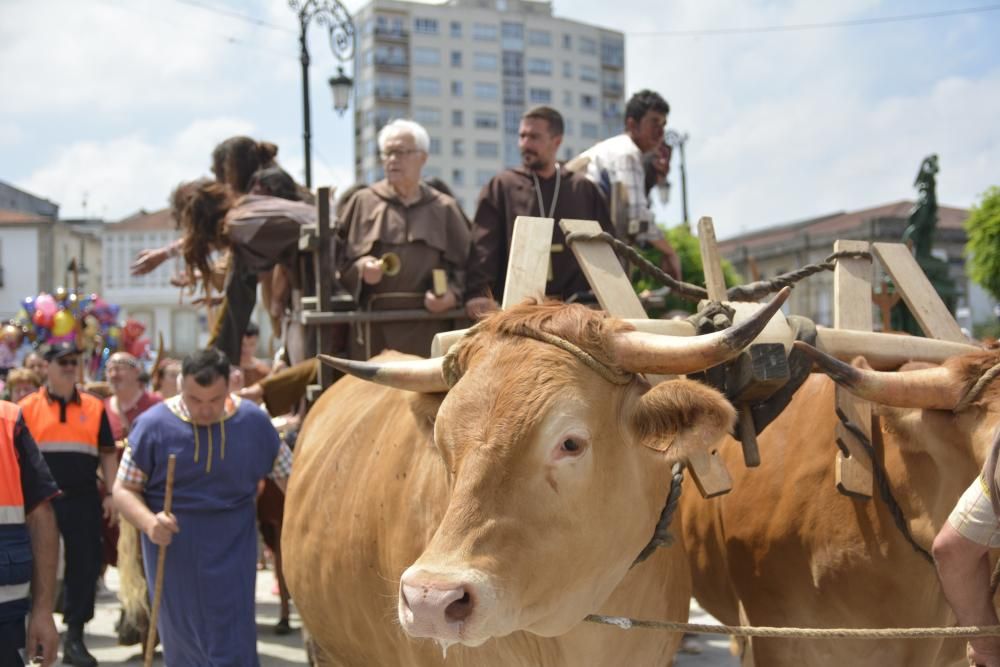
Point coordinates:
[(74, 436), (423, 227)]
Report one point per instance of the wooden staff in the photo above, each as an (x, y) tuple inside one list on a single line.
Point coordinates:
[(160, 562)]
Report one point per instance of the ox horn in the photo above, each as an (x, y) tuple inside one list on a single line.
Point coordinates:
[(642, 352), (926, 388), (423, 375)]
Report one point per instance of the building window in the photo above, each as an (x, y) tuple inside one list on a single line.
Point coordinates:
[(541, 66), (430, 172), (457, 147), (423, 55), (588, 102), (567, 69), (511, 121), (456, 88), (457, 177), (484, 32), (540, 96), (612, 53), (513, 64), (487, 91), (588, 46), (483, 176), (567, 98), (539, 38), (487, 120), (568, 126), (456, 29), (485, 62), (393, 56), (456, 118), (426, 86), (425, 26), (427, 116), (589, 130), (513, 92), (567, 42), (456, 58), (487, 149), (435, 146), (513, 36), (588, 73)]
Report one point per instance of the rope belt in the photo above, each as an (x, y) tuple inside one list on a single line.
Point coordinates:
[(809, 633)]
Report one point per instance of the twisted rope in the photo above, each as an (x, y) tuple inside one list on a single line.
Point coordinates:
[(810, 633), (661, 534), (754, 291), (885, 491), (977, 388)]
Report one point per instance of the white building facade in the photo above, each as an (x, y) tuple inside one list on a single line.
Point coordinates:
[(468, 69)]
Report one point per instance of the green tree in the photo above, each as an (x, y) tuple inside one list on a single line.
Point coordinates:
[(687, 247), (983, 247)]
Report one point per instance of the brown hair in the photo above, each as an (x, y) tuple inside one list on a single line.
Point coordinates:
[(200, 208), (235, 160), (551, 116), (19, 375)]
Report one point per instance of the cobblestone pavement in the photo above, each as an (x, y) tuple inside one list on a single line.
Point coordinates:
[(278, 651)]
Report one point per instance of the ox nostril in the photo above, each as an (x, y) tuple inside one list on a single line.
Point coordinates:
[(460, 609)]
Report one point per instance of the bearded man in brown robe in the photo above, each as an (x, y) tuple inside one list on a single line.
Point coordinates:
[(540, 187)]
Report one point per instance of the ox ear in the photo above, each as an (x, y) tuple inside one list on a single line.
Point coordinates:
[(685, 420), (425, 408)]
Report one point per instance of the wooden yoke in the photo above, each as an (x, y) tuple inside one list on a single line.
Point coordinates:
[(617, 297), (852, 290)]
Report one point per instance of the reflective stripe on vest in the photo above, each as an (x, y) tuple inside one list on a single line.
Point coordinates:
[(11, 496), (14, 592), (78, 447)]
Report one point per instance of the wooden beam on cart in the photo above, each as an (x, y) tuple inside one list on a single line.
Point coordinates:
[(604, 272), (529, 260), (852, 289), (918, 293)]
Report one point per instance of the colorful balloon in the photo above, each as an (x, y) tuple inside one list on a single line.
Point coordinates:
[(63, 323), (61, 293)]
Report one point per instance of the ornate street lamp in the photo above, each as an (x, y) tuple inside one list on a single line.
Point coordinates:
[(676, 139), (337, 20)]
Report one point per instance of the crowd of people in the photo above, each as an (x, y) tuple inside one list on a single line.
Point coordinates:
[(73, 457)]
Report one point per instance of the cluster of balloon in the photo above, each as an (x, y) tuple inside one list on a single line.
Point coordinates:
[(88, 320)]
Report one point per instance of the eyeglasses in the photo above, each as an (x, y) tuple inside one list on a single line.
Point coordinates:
[(68, 361), (400, 153)]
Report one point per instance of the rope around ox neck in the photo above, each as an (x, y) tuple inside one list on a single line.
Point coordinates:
[(976, 389), (809, 633)]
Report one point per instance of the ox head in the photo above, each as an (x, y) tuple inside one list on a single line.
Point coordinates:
[(558, 463)]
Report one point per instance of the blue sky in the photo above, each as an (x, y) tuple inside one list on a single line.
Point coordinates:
[(116, 101)]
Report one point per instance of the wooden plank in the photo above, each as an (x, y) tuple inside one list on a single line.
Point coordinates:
[(604, 272), (852, 310), (711, 262), (918, 293), (528, 264)]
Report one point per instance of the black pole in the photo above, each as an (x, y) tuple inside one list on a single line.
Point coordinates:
[(306, 133)]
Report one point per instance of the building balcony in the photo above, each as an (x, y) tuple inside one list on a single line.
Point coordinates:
[(613, 88), (392, 34), (390, 95), (391, 64)]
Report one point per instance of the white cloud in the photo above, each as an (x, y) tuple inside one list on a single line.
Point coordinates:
[(120, 176)]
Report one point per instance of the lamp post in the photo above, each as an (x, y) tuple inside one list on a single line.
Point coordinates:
[(676, 139), (337, 20)]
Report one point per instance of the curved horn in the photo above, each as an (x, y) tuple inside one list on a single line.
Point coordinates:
[(654, 353), (423, 375), (927, 388)]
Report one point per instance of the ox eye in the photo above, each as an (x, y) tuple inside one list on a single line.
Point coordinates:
[(571, 446)]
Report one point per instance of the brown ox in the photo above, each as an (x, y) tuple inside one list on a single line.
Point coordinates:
[(797, 553), (493, 518)]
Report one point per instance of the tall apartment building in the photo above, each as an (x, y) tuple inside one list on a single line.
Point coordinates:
[(467, 69)]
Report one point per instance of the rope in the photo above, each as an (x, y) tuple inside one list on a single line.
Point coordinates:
[(813, 633), (661, 535), (977, 388), (885, 491), (750, 292)]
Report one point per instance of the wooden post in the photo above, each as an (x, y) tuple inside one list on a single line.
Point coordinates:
[(918, 293), (323, 268), (853, 310), (161, 561), (528, 264), (715, 284), (604, 272)]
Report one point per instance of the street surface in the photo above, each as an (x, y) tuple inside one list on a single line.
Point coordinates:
[(278, 651)]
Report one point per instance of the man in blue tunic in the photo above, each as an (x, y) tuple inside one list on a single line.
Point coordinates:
[(224, 447)]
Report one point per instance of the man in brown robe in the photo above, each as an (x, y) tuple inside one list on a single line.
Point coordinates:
[(423, 227), (541, 188)]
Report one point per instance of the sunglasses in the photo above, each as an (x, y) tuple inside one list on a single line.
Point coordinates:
[(68, 361)]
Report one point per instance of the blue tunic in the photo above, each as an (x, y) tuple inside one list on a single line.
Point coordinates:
[(207, 613)]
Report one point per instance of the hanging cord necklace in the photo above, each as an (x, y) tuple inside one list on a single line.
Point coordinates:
[(555, 194)]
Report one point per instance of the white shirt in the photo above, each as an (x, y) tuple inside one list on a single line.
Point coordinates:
[(619, 160)]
